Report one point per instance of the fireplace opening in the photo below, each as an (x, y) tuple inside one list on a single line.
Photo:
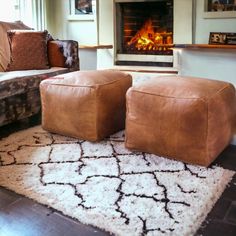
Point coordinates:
[(144, 32)]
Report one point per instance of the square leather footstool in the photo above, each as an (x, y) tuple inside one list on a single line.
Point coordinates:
[(184, 118), (88, 105)]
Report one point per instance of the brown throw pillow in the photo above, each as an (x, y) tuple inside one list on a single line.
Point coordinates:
[(5, 53), (28, 50)]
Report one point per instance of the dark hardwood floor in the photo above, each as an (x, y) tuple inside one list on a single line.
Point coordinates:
[(20, 216)]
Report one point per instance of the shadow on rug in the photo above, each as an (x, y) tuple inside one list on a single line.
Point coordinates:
[(105, 185)]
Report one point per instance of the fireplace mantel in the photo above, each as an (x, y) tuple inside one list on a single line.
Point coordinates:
[(95, 46), (204, 46)]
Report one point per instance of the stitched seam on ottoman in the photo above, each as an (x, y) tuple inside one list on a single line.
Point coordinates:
[(108, 83), (222, 90), (207, 132), (96, 116), (42, 95), (158, 95), (126, 115), (69, 85), (114, 81), (86, 86), (202, 98), (210, 98)]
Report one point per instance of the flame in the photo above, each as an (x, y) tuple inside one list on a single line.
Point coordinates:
[(147, 39)]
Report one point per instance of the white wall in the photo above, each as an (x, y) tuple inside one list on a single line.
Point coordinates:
[(85, 32), (106, 34), (204, 26), (182, 21), (60, 26), (88, 59), (57, 11), (218, 64)]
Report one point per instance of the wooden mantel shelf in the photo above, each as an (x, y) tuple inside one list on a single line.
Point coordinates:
[(204, 46), (95, 46)]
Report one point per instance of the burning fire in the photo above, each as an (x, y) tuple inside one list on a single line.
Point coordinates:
[(147, 39)]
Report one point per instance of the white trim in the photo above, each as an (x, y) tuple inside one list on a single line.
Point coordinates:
[(219, 14), (150, 58), (81, 18)]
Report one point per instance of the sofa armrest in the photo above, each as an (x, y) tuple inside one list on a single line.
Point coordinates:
[(63, 53)]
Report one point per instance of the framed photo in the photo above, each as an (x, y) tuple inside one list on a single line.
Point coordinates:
[(82, 10), (220, 9), (217, 38), (231, 38), (222, 38), (221, 5)]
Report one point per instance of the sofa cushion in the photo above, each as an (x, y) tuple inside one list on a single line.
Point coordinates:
[(28, 50), (19, 92), (19, 82), (4, 44)]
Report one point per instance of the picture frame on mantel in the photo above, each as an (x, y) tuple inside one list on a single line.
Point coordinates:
[(219, 9), (222, 38), (82, 10), (217, 38)]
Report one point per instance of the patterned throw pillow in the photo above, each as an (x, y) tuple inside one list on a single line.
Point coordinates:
[(28, 50)]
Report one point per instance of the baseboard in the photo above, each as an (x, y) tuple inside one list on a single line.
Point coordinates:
[(147, 69)]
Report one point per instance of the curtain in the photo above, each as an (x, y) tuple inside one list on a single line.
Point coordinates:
[(39, 14), (33, 13), (25, 12)]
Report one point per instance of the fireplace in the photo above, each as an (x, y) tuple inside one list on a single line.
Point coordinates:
[(144, 32), (110, 30)]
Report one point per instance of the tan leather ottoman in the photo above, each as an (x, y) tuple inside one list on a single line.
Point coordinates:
[(187, 119), (89, 105)]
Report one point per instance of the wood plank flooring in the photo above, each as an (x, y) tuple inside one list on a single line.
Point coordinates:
[(20, 216)]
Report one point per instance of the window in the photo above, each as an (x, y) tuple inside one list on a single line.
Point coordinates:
[(31, 12), (9, 10)]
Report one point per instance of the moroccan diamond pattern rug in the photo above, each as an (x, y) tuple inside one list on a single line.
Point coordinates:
[(107, 186)]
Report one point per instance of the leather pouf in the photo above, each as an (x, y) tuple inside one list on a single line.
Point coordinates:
[(184, 118), (88, 105)]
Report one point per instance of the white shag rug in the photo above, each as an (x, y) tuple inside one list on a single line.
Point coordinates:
[(105, 185)]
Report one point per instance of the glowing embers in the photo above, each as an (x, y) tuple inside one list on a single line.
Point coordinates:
[(147, 40)]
